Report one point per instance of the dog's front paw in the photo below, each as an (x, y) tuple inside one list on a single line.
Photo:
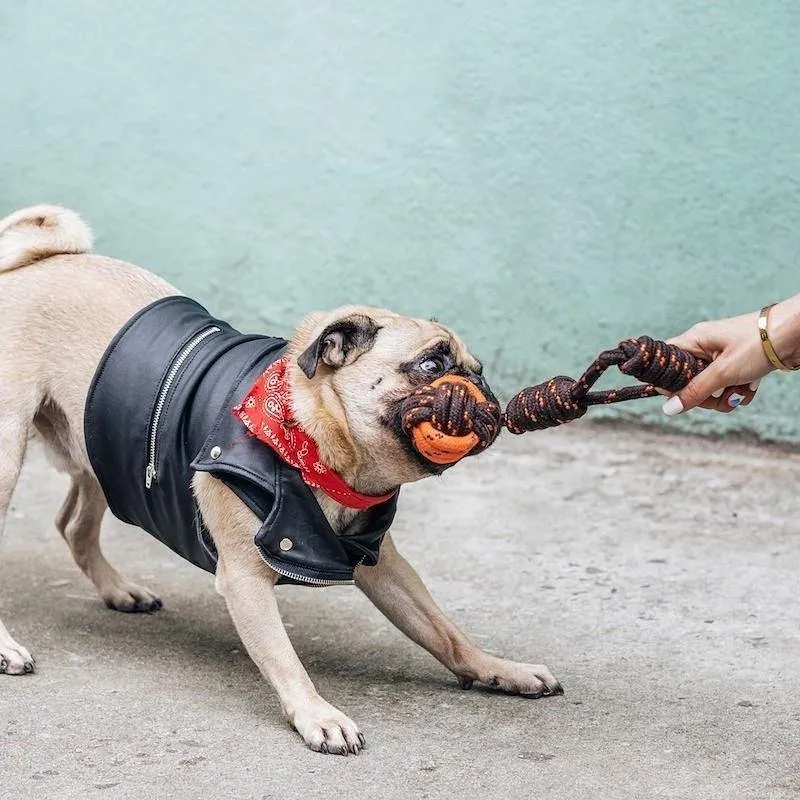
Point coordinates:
[(15, 659), (529, 680), (130, 598), (326, 730)]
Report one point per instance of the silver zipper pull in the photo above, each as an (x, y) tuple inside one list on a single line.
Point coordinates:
[(149, 476)]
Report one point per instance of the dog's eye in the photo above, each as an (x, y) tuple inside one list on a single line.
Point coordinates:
[(431, 366)]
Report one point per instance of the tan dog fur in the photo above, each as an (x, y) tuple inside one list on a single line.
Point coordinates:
[(59, 308)]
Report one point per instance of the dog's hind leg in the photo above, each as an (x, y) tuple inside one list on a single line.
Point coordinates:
[(79, 523), (14, 659)]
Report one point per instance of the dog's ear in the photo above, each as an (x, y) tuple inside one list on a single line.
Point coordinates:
[(340, 343)]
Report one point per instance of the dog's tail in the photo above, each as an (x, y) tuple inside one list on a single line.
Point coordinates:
[(38, 232)]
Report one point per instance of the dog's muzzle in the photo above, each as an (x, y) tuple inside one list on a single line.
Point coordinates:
[(450, 418)]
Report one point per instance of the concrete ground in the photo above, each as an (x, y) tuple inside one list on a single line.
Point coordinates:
[(658, 577)]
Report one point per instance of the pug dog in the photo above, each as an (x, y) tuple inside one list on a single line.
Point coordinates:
[(259, 460)]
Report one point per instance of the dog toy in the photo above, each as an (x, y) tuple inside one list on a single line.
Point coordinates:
[(449, 419), (561, 399)]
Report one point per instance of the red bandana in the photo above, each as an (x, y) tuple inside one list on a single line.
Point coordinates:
[(267, 413)]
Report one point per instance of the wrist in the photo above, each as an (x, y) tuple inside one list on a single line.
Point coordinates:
[(784, 331)]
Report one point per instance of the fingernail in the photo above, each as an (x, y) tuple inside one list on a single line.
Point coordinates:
[(673, 406), (754, 385), (735, 399), (718, 393)]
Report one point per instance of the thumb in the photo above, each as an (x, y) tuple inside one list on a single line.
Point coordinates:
[(711, 379)]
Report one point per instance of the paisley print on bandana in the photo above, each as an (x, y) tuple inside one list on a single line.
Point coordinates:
[(266, 411)]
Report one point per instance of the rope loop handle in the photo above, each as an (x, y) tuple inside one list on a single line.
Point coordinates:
[(656, 364)]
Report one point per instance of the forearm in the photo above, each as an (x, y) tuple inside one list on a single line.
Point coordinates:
[(784, 330)]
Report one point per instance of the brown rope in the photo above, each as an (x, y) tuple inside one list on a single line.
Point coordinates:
[(561, 399), (451, 409)]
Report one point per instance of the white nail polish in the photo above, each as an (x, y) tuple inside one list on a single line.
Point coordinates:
[(754, 385), (718, 393), (673, 406)]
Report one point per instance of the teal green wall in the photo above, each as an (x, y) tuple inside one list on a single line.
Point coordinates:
[(547, 177)]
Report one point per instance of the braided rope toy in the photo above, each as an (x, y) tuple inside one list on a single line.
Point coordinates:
[(561, 399), (451, 418)]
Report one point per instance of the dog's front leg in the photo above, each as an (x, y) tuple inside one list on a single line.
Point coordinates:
[(248, 586), (249, 592), (399, 593)]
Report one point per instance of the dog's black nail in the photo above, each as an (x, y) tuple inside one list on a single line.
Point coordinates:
[(28, 667), (3, 666), (532, 695), (465, 683), (323, 748), (361, 740)]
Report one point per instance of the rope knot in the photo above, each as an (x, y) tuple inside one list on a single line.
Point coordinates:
[(658, 363), (449, 419), (544, 406)]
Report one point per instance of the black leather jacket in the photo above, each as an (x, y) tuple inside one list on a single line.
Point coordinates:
[(159, 408)]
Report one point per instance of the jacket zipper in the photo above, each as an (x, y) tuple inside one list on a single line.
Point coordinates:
[(163, 393), (301, 578)]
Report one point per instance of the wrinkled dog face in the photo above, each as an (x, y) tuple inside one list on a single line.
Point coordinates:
[(356, 365)]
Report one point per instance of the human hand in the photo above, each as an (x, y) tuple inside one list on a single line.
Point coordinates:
[(737, 358)]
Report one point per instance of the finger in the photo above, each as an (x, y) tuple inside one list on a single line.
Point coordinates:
[(686, 341), (696, 343), (711, 379), (717, 404), (730, 399)]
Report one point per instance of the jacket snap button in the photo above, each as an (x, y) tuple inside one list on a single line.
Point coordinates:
[(286, 544), (216, 451)]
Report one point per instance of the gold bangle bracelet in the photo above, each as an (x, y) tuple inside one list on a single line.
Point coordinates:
[(766, 342)]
